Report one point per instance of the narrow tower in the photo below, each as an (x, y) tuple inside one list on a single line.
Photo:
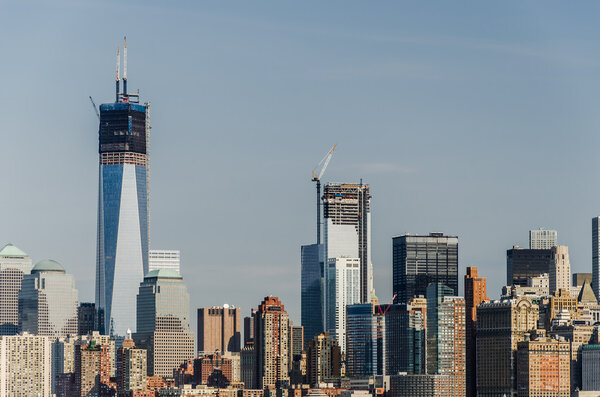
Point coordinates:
[(122, 246)]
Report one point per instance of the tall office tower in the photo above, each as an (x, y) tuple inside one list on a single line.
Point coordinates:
[(405, 340), (92, 371), (271, 344), (14, 263), (311, 287), (347, 228), (164, 259), (343, 289), (296, 340), (361, 340), (500, 326), (25, 365), (48, 301), (87, 318), (248, 365), (323, 359), (559, 274), (542, 239), (543, 368), (163, 325), (249, 327), (132, 367), (446, 335), (219, 329), (122, 244), (590, 367), (421, 260), (475, 294), (522, 264)]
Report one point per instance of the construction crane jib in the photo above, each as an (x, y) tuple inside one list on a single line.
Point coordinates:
[(317, 174)]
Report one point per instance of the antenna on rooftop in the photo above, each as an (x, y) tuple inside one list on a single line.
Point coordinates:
[(118, 69), (125, 68)]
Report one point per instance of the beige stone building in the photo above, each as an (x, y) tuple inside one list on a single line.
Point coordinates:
[(577, 336), (559, 274), (543, 368), (25, 366)]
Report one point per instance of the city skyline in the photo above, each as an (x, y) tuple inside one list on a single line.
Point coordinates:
[(62, 197)]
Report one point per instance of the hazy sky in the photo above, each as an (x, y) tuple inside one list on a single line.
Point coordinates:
[(477, 119)]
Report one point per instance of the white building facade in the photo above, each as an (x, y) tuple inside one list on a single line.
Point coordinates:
[(164, 259), (542, 239), (25, 366)]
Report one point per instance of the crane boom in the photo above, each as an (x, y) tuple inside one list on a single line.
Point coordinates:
[(95, 108), (322, 166)]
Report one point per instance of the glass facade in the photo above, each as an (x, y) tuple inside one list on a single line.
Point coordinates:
[(311, 290), (421, 260), (122, 253), (405, 340), (361, 342)]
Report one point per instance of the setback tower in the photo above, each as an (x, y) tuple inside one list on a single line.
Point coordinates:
[(122, 245)]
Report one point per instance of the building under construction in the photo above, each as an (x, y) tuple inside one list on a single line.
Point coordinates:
[(347, 228)]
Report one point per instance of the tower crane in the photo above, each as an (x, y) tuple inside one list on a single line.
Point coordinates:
[(383, 312), (316, 177)]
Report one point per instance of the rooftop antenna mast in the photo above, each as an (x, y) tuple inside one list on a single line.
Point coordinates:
[(317, 174), (125, 69), (118, 68)]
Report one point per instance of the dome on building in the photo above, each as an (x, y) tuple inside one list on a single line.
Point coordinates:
[(163, 273), (47, 265)]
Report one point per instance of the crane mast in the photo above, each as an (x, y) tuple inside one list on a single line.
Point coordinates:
[(317, 174)]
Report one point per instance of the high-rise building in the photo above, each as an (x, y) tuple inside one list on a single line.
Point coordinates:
[(25, 365), (475, 294), (87, 318), (596, 255), (343, 289), (522, 264), (405, 339), (590, 367), (48, 301), (271, 344), (14, 263), (446, 335), (163, 325), (164, 259), (559, 275), (578, 336), (219, 329), (296, 340), (312, 279), (132, 367), (542, 239), (92, 371), (122, 244), (248, 365), (422, 260), (347, 229), (249, 327), (500, 326), (543, 367), (323, 359), (361, 340)]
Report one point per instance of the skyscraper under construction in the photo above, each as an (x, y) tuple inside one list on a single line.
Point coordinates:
[(122, 245), (347, 228)]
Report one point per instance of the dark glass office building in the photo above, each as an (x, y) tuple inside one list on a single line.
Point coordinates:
[(421, 260), (522, 264), (312, 290), (405, 340)]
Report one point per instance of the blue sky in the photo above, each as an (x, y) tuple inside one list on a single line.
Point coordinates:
[(475, 119)]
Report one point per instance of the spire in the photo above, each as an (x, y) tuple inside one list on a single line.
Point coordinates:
[(586, 295), (117, 76), (125, 67)]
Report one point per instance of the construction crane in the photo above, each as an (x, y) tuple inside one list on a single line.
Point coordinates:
[(383, 312), (95, 108), (317, 174)]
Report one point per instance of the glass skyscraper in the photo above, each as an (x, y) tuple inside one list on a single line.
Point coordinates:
[(122, 246), (422, 260), (312, 290)]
